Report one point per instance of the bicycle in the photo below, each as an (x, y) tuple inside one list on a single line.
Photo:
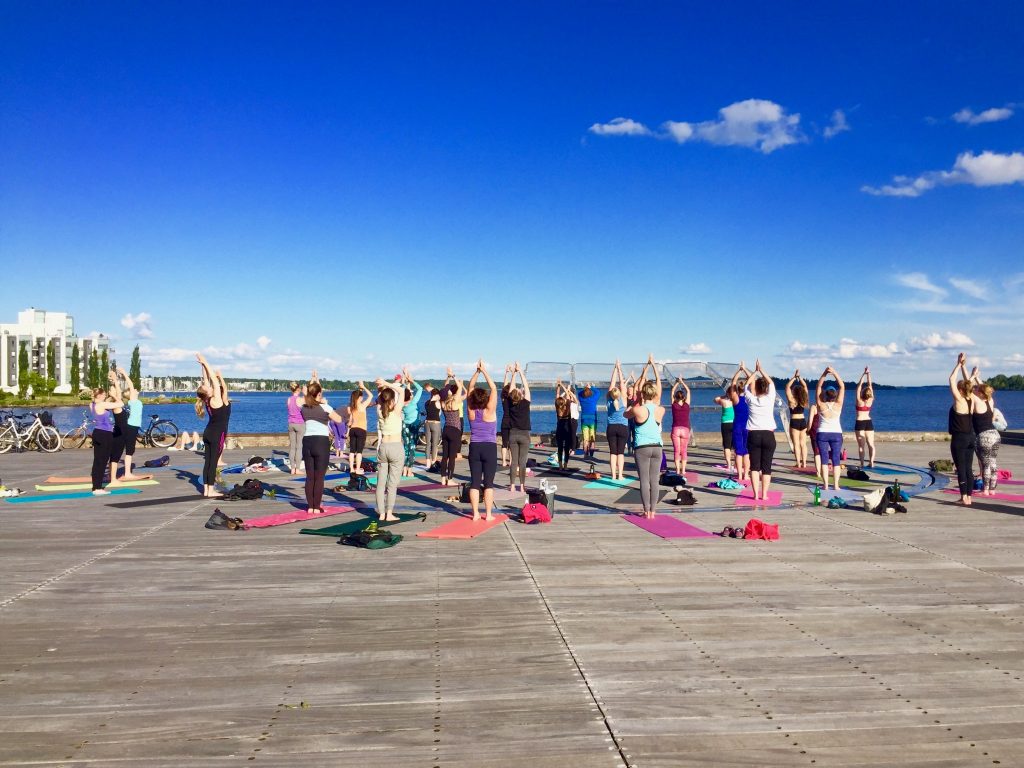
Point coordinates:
[(77, 437), (161, 433), (39, 434)]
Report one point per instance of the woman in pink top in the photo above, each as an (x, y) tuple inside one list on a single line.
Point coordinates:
[(296, 426), (680, 423)]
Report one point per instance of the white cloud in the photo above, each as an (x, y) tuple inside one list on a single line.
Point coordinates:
[(138, 325), (756, 123), (700, 348), (972, 288), (839, 124), (986, 169), (799, 348), (263, 342), (919, 281), (993, 115), (620, 126), (947, 340), (846, 349)]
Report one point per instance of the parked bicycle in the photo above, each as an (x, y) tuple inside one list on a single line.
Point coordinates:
[(38, 434), (161, 433)]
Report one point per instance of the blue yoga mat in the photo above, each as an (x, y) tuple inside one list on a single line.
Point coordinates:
[(888, 471), (62, 496)]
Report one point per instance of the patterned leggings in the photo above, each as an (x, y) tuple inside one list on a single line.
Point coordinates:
[(410, 434), (987, 449)]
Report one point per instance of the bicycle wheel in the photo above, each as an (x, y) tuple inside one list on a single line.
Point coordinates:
[(48, 439), (7, 440), (75, 438), (164, 434)]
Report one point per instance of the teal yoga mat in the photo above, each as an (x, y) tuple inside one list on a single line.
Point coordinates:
[(62, 496), (606, 483)]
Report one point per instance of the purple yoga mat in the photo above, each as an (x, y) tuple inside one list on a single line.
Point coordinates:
[(667, 527)]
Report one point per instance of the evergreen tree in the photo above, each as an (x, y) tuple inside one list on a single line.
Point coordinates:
[(76, 370), (51, 360), (23, 369), (135, 369), (104, 368), (94, 369)]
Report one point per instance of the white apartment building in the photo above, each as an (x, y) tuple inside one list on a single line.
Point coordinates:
[(38, 330)]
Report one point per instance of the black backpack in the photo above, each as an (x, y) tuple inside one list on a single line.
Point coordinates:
[(163, 461), (435, 467), (358, 483), (220, 522), (379, 539), (672, 479), (250, 490), (684, 497)]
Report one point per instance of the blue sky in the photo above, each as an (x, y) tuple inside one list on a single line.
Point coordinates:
[(357, 188)]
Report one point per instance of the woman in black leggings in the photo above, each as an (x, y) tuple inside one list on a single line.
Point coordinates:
[(316, 444), (103, 403), (961, 430), (565, 429), (212, 398), (451, 436)]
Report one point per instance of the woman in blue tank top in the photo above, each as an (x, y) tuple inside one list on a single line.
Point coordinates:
[(739, 428)]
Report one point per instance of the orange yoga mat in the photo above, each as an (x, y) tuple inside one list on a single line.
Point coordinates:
[(463, 528)]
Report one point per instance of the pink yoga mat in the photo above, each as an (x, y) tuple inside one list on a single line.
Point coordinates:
[(462, 528), (293, 516), (746, 499), (423, 487), (1016, 497), (803, 470), (667, 527), (1011, 482)]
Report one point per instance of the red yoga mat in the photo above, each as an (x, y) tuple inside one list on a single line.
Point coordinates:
[(1016, 497), (293, 516), (746, 499), (667, 527), (463, 528)]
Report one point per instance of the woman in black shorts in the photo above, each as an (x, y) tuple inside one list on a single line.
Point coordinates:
[(618, 424), (358, 403), (452, 395), (796, 397)]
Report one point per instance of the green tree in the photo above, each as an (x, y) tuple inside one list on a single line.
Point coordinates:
[(51, 359), (94, 369), (104, 367), (135, 369), (76, 370), (23, 369)]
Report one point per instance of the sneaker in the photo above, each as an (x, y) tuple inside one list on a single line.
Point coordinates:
[(101, 492)]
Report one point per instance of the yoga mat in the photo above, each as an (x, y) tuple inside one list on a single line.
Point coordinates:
[(294, 516), (62, 496), (87, 479), (302, 478), (886, 471), (803, 470), (605, 483), (844, 493), (1015, 497), (667, 527), (88, 486), (156, 502), (845, 482), (746, 499), (1011, 482), (354, 526), (424, 487), (463, 528), (372, 481)]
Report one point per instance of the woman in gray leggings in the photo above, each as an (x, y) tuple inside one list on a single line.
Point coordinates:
[(648, 415), (519, 428), (390, 449)]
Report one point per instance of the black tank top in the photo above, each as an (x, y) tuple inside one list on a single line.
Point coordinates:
[(959, 423), (219, 417), (433, 408), (796, 413), (519, 415), (982, 422), (121, 421)]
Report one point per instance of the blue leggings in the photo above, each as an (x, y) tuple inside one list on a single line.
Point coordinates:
[(830, 442)]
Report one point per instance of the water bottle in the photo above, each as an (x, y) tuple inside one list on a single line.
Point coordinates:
[(896, 491), (817, 495)]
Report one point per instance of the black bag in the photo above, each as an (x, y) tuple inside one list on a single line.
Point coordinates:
[(163, 461), (368, 465), (856, 474), (46, 419), (250, 490), (435, 467), (358, 483), (255, 460), (379, 539), (672, 479), (464, 493), (541, 496), (684, 497), (220, 522)]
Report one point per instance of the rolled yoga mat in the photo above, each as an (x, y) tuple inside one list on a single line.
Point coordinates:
[(667, 527), (88, 486), (62, 496), (293, 516), (463, 528)]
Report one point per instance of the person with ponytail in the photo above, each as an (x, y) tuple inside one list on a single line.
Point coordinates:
[(796, 399), (863, 427), (741, 413), (104, 402), (649, 452), (519, 428), (452, 395), (358, 403), (828, 407), (483, 441), (410, 421), (212, 399), (295, 426), (316, 443), (617, 431), (760, 397), (680, 423), (390, 449), (565, 428), (961, 429)]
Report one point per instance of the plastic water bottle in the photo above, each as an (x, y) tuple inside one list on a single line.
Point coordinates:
[(817, 495)]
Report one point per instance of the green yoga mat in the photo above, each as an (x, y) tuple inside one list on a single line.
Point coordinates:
[(606, 483), (88, 486), (62, 496), (845, 482), (355, 526)]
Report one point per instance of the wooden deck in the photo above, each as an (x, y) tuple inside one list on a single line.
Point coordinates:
[(135, 637)]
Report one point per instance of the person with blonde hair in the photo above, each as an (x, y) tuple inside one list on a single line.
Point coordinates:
[(987, 438), (760, 397), (519, 428), (104, 402), (296, 426), (797, 400), (390, 448), (617, 431), (863, 427), (728, 419), (649, 414), (212, 398)]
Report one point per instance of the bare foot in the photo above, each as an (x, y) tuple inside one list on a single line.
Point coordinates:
[(489, 518), (476, 518)]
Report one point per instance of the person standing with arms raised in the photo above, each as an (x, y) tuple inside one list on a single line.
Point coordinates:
[(760, 397), (483, 441), (390, 450), (519, 428), (796, 399), (961, 429), (212, 398), (316, 443), (649, 415), (829, 408), (617, 431), (296, 426)]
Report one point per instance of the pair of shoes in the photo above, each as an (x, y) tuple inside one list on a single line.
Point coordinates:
[(101, 492)]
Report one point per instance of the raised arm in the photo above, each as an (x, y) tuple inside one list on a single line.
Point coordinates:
[(657, 377), (492, 400), (223, 387), (957, 397), (789, 388), (522, 378), (686, 388), (821, 383)]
